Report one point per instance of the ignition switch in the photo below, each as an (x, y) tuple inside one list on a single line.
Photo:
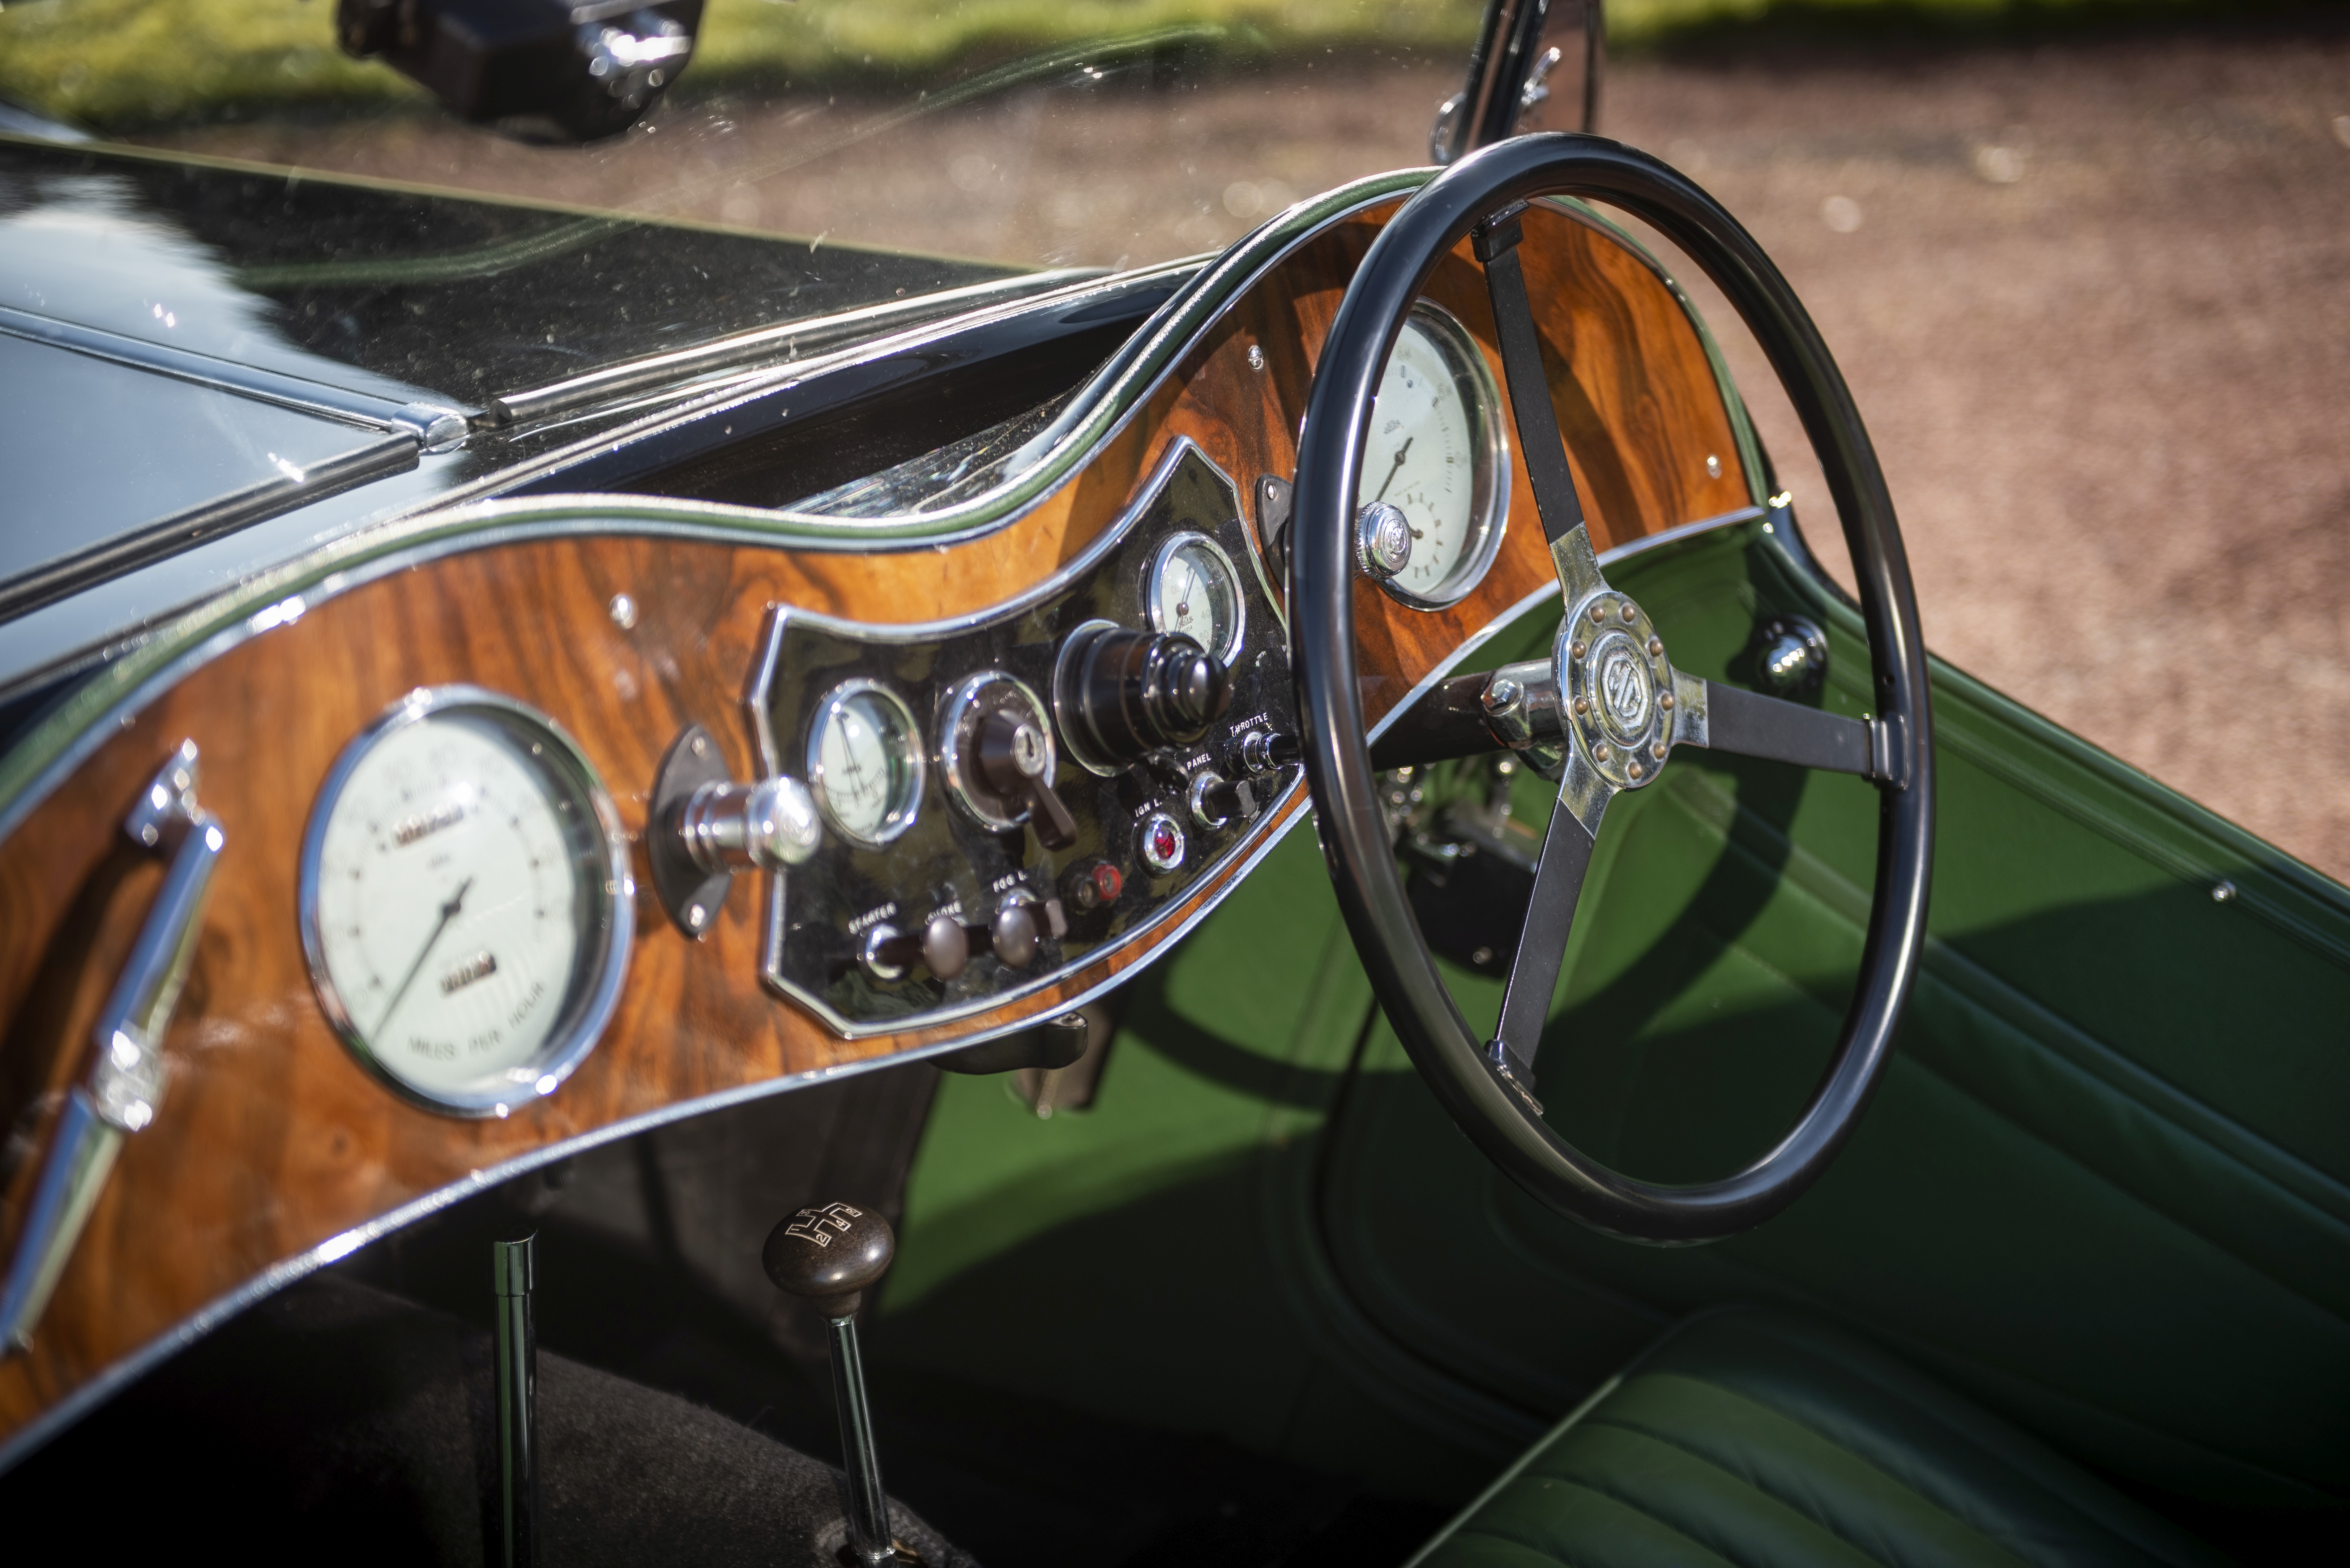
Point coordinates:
[(996, 744)]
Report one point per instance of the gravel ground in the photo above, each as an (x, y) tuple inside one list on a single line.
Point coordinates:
[(2093, 299)]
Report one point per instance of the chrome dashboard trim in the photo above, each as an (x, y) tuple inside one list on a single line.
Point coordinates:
[(782, 342), (426, 423), (1674, 536)]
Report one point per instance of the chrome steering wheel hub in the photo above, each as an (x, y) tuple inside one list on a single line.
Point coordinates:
[(1610, 663)]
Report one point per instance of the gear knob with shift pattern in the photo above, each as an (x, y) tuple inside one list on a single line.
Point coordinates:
[(831, 1254)]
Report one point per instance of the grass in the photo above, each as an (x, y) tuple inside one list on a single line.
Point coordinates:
[(120, 65)]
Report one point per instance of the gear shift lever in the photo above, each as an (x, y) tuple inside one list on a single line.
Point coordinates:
[(831, 1254)]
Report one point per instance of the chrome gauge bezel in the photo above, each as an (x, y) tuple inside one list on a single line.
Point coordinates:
[(901, 815), (600, 846), (1238, 634), (1489, 495)]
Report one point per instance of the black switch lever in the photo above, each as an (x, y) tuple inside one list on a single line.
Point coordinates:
[(1014, 760), (831, 1254)]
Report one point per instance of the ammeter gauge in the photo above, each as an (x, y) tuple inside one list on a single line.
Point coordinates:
[(465, 901), (865, 762)]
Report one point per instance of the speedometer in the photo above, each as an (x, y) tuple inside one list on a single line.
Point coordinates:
[(463, 886), (1437, 453)]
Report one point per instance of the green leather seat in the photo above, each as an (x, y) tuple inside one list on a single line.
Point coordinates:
[(1763, 1440)]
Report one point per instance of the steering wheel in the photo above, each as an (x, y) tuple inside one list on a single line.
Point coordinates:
[(1614, 703)]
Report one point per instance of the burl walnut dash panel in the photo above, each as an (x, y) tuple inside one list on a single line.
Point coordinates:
[(271, 1140)]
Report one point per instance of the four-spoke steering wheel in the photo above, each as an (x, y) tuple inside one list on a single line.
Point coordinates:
[(1617, 704)]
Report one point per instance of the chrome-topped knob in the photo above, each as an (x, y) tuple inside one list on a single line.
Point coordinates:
[(1382, 540), (770, 826)]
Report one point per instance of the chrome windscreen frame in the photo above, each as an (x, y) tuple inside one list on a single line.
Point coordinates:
[(593, 992)]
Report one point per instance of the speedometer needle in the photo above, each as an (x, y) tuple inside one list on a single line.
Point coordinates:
[(1395, 468), (449, 913)]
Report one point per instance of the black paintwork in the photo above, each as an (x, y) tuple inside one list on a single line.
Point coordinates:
[(404, 296), (468, 298), (110, 466)]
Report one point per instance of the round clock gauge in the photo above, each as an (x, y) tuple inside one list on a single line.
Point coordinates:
[(464, 899), (1437, 452)]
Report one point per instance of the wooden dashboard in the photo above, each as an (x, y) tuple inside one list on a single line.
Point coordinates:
[(273, 1150)]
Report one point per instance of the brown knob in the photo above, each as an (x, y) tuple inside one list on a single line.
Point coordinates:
[(1014, 935), (831, 1254)]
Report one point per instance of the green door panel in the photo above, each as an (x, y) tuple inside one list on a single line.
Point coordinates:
[(2101, 1186), (2105, 1188)]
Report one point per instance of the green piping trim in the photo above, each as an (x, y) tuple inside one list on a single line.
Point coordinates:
[(1460, 1521)]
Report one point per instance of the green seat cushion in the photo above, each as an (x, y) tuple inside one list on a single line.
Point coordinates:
[(1764, 1439)]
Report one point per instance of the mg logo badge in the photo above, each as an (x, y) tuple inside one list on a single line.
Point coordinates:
[(811, 1224), (1624, 687)]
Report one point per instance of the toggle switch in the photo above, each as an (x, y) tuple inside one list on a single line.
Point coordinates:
[(1263, 751), (1217, 802)]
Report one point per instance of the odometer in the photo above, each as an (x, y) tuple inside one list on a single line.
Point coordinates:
[(464, 881)]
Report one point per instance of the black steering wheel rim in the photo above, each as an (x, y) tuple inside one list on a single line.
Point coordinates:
[(1478, 1093)]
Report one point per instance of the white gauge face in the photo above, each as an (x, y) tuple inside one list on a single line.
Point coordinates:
[(865, 765), (458, 889), (1430, 455), (1192, 591)]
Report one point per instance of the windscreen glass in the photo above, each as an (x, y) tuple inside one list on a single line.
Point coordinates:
[(811, 159)]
